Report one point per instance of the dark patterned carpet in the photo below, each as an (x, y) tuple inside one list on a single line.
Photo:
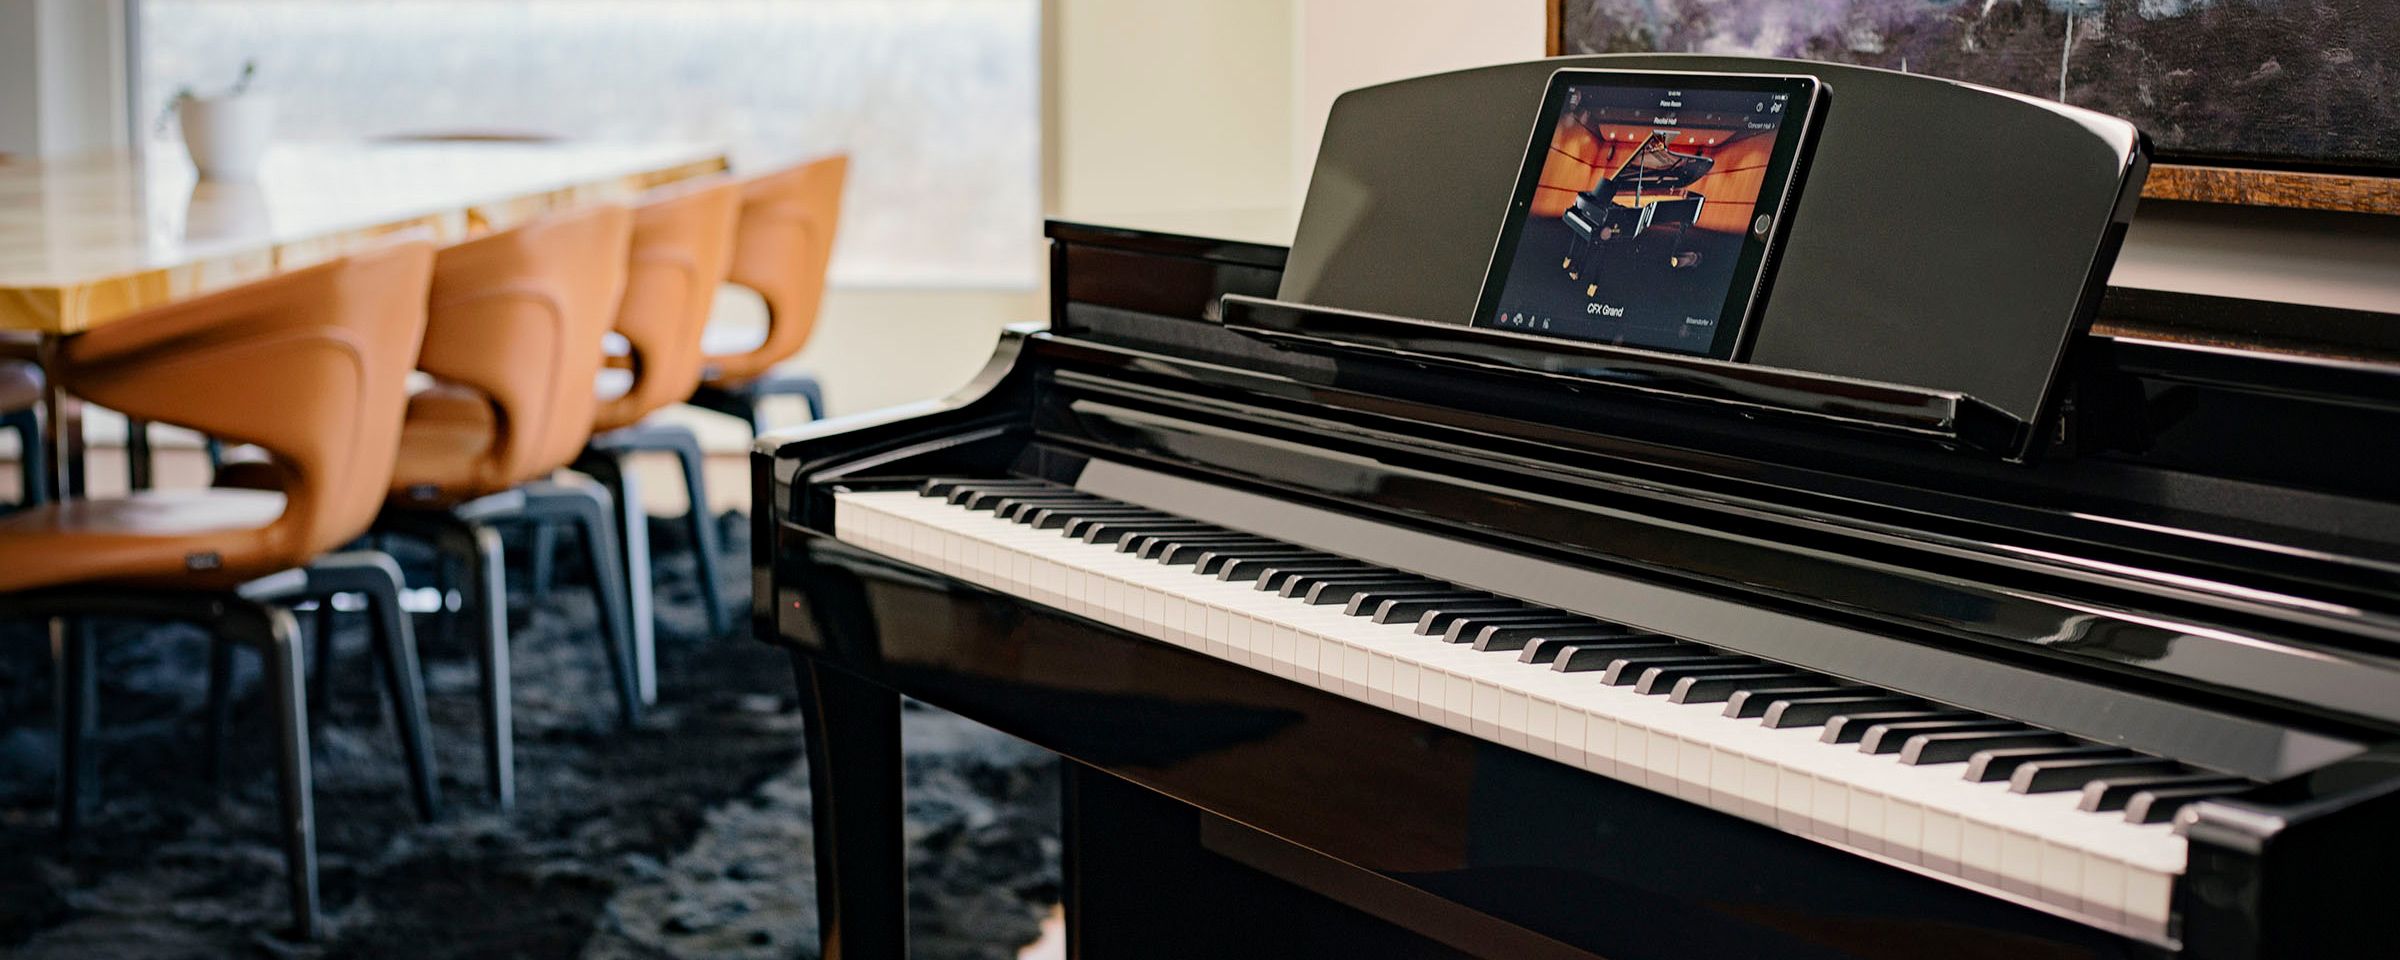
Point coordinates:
[(688, 837)]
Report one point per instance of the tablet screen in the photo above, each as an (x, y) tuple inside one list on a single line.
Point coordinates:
[(1648, 209)]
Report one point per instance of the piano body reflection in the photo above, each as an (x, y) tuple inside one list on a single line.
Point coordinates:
[(1599, 217), (1355, 650)]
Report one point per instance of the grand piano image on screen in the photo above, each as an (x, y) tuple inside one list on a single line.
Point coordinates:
[(1652, 186), (1624, 208)]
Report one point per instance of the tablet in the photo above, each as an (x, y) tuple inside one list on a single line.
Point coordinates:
[(1649, 208)]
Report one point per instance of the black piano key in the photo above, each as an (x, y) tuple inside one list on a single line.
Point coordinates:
[(1158, 546), (1720, 687), (1961, 746), (997, 500), (1016, 506), (1214, 564), (1890, 737), (1112, 529), (1438, 621), (1147, 545), (2102, 796), (1851, 727), (1022, 511), (1410, 607), (1299, 584), (957, 491), (1276, 580), (1545, 648), (2158, 805), (1659, 681), (1511, 636), (1193, 553), (1362, 602), (1813, 711), (1627, 671), (1077, 527), (1324, 590), (2052, 776), (1108, 530), (1407, 605), (1246, 569), (1600, 657), (1987, 766), (1057, 517), (1466, 628), (942, 487), (1753, 702)]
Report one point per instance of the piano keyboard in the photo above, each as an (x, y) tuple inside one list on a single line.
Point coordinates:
[(2037, 816)]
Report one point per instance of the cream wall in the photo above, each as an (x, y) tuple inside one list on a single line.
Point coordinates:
[(1346, 44), (1171, 105)]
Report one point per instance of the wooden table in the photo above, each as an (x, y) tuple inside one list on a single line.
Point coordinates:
[(87, 240)]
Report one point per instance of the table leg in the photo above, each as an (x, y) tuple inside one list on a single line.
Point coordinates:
[(58, 430)]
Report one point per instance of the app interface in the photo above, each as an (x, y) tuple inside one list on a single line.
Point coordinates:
[(1639, 218)]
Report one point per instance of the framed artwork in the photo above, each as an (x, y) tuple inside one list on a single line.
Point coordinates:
[(2261, 102)]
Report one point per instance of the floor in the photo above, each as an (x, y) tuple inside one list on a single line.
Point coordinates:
[(688, 837)]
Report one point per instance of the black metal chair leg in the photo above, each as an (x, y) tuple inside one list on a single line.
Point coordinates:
[(591, 509), (629, 527), (489, 597), (76, 653), (686, 446), (404, 685), (542, 550), (854, 773), (374, 575), (277, 636), (236, 618), (220, 706), (320, 679), (446, 579)]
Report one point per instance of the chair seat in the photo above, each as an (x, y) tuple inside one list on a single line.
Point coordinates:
[(447, 449), (196, 539)]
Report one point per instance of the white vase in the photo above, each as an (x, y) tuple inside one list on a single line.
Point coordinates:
[(228, 135)]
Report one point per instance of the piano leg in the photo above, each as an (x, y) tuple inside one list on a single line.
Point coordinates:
[(854, 775)]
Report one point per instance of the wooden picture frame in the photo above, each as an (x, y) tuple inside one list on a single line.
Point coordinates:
[(2369, 193)]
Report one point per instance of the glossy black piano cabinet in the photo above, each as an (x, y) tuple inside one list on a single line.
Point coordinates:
[(1453, 845)]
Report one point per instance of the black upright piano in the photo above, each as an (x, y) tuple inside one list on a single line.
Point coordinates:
[(1366, 633)]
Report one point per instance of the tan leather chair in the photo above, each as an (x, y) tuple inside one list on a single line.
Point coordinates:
[(682, 248), (781, 250), (513, 343), (310, 365)]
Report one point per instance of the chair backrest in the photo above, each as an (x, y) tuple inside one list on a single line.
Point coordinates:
[(311, 365), (519, 316), (682, 247), (782, 247)]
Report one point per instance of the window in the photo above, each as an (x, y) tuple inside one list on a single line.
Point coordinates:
[(935, 100)]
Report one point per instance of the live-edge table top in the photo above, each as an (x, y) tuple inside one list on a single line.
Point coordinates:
[(88, 239)]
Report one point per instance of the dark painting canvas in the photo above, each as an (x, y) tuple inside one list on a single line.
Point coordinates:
[(2294, 83)]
